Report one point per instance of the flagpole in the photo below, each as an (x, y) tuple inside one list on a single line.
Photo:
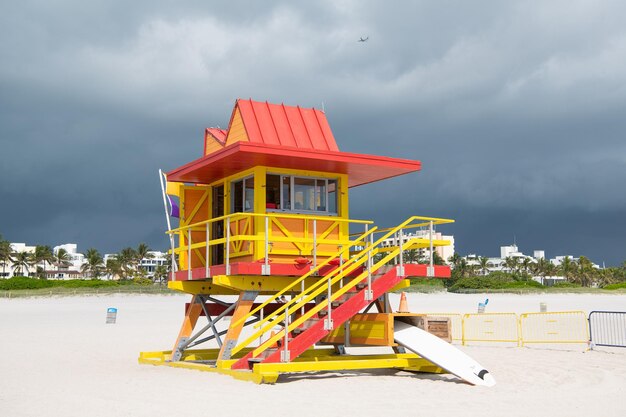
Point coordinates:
[(167, 219)]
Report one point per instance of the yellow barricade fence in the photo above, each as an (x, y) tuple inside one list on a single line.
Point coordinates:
[(456, 324), (554, 327), (490, 327)]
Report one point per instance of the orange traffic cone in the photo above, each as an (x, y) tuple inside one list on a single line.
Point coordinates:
[(404, 307)]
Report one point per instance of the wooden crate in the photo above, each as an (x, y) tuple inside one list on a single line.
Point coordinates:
[(439, 326), (376, 329)]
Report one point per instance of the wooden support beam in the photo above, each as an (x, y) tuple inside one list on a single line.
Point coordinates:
[(243, 307)]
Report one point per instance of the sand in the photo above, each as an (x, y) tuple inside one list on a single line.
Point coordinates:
[(59, 358)]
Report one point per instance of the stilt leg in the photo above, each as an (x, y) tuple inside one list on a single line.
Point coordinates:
[(189, 322), (244, 305)]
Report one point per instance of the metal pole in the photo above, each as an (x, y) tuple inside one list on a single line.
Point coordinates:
[(315, 244), (368, 291), (341, 266), (261, 335), (395, 243), (285, 353), (266, 265), (228, 246), (167, 219), (208, 326), (189, 253), (431, 268), (174, 268), (208, 316), (206, 256), (328, 323), (401, 267)]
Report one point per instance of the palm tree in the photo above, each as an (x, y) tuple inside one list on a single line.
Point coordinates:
[(94, 263), (437, 259), (550, 269), (463, 268), (526, 265), (567, 267), (454, 259), (128, 261), (142, 252), (43, 254), (511, 263), (484, 261), (160, 274), (541, 268), (21, 261), (411, 256), (62, 259), (114, 267), (6, 253), (586, 271)]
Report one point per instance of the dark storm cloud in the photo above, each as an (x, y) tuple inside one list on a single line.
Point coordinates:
[(515, 110)]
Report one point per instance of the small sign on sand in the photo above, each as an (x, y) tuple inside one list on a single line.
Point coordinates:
[(111, 315)]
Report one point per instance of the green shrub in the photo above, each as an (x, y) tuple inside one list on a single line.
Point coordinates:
[(495, 280), (142, 281), (525, 284), (615, 286), (24, 283)]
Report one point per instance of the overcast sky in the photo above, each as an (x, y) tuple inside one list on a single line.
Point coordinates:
[(516, 110)]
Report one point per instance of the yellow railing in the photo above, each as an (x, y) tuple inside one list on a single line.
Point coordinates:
[(266, 236), (334, 277), (312, 272)]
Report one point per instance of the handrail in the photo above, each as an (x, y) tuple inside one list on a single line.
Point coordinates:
[(435, 221), (314, 290), (287, 215), (320, 306), (302, 278)]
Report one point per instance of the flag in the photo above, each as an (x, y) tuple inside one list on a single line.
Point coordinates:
[(174, 209)]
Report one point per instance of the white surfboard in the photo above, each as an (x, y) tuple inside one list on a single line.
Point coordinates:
[(441, 353)]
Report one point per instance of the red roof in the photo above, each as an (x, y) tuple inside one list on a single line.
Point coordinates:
[(277, 124), (239, 156), (216, 134), (279, 136)]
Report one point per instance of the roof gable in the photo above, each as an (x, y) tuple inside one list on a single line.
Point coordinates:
[(279, 125), (214, 139)]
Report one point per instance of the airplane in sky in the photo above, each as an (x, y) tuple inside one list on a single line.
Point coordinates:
[(362, 39)]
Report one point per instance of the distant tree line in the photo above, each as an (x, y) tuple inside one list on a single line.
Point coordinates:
[(124, 265), (579, 272)]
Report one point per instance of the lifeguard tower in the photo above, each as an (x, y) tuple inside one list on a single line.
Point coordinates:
[(265, 239)]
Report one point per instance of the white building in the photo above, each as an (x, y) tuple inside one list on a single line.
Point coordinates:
[(73, 268), (156, 259), (70, 271), (148, 264), (445, 252), (510, 251), (558, 260), (76, 259), (7, 270)]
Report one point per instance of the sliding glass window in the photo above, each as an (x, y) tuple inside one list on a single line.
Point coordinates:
[(301, 194), (242, 195)]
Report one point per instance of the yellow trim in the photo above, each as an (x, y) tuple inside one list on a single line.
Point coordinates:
[(313, 360), (270, 283), (200, 287)]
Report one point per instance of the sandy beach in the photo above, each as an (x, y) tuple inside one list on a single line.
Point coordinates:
[(59, 358)]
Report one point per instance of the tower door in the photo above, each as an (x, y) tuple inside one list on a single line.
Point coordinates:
[(217, 228), (195, 208)]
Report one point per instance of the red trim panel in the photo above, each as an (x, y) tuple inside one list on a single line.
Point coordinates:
[(361, 169)]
